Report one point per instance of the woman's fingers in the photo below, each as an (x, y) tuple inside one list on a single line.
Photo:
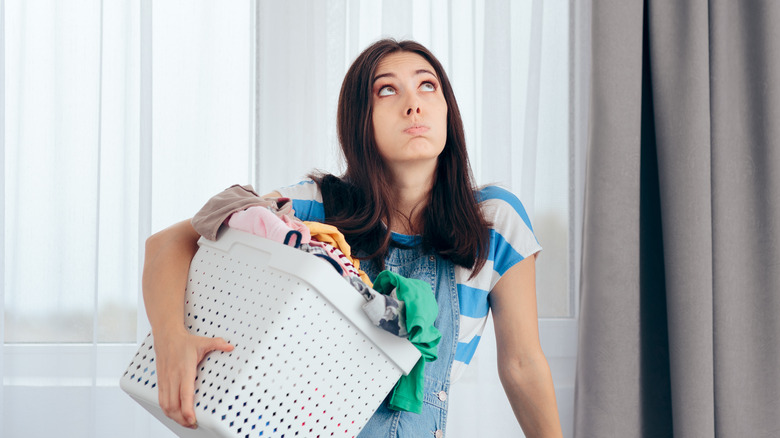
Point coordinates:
[(168, 384), (177, 361), (186, 394), (187, 388)]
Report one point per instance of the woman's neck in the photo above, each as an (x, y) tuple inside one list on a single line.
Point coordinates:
[(412, 193)]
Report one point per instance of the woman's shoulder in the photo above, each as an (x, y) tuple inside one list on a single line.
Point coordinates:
[(306, 199), (512, 236), (307, 189), (499, 203)]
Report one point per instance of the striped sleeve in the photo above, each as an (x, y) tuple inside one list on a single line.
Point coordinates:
[(512, 236), (511, 240), (307, 200)]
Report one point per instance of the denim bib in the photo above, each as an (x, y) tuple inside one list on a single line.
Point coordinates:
[(440, 274)]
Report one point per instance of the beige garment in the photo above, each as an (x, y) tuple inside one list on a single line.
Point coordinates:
[(235, 198)]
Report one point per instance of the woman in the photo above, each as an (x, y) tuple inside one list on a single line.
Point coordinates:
[(407, 173)]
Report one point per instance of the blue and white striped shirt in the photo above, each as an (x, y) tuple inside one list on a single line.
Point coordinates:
[(511, 240)]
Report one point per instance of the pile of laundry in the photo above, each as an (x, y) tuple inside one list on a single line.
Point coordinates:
[(241, 208)]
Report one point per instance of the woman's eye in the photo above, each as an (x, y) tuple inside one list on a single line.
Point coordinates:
[(427, 86), (386, 91)]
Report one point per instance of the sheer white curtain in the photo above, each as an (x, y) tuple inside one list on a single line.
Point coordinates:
[(123, 117), (120, 117), (70, 199)]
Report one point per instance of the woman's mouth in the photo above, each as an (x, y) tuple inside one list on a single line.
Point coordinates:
[(416, 130)]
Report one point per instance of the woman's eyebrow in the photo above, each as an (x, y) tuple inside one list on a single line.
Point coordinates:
[(384, 75), (392, 75), (423, 70)]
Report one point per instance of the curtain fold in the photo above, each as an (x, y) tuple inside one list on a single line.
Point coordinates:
[(610, 250), (679, 64), (745, 102), (678, 323)]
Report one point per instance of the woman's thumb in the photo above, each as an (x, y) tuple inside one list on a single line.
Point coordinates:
[(220, 344), (214, 344)]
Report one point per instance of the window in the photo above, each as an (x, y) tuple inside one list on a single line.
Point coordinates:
[(122, 118)]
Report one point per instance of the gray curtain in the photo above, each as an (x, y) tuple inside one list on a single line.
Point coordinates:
[(680, 313)]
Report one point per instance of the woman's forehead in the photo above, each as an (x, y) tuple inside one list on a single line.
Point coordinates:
[(403, 61)]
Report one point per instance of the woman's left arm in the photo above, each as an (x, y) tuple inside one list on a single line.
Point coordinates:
[(522, 367)]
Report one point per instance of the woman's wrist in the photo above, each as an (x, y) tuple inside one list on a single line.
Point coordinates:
[(169, 329)]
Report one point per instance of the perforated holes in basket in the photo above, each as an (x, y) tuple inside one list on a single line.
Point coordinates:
[(142, 371)]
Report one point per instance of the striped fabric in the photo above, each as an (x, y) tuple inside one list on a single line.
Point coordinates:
[(511, 240)]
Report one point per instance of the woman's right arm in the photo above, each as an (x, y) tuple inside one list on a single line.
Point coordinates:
[(166, 269)]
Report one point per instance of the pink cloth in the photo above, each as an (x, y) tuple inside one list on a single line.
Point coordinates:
[(296, 224), (263, 222)]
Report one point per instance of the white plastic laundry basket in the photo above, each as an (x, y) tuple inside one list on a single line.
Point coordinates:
[(307, 361)]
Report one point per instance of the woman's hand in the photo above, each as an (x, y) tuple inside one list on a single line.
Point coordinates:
[(177, 356)]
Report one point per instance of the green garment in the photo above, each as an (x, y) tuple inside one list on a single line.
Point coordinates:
[(421, 312)]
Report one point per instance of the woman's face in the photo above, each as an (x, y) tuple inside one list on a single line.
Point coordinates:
[(409, 111)]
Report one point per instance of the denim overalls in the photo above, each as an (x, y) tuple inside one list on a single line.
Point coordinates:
[(440, 274)]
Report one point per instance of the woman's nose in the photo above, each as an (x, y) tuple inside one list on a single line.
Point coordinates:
[(412, 103)]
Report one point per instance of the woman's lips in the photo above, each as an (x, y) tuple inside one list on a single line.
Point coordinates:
[(416, 130)]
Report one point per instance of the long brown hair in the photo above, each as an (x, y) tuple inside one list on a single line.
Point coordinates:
[(360, 203)]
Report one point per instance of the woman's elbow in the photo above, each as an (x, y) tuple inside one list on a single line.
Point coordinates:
[(176, 242), (179, 233), (153, 244), (518, 369)]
